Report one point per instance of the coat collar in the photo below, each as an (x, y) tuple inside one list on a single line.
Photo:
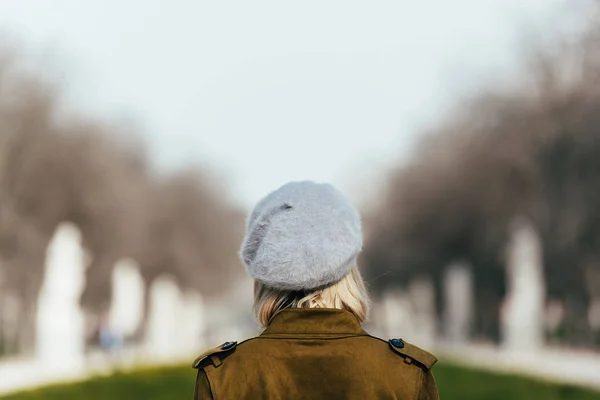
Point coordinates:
[(314, 321)]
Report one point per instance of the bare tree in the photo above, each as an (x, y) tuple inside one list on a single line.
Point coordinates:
[(56, 167), (523, 150)]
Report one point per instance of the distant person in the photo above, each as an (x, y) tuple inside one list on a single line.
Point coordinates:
[(301, 246), (110, 341)]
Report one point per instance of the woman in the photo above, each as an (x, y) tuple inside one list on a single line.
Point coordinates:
[(300, 247)]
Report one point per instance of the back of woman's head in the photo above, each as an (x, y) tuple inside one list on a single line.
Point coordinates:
[(301, 245)]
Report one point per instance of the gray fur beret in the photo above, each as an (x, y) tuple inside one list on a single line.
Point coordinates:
[(302, 236)]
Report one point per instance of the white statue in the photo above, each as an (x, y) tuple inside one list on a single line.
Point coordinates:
[(127, 304), (458, 303), (164, 322), (524, 310), (60, 321), (410, 314), (193, 322)]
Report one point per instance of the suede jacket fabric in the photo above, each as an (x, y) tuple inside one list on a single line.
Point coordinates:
[(315, 354)]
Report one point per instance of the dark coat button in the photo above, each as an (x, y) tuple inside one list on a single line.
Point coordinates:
[(228, 345), (397, 343)]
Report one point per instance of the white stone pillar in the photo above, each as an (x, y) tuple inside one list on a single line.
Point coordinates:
[(410, 314), (422, 296), (458, 303), (398, 318), (193, 319), (127, 303), (164, 324), (523, 311), (60, 331)]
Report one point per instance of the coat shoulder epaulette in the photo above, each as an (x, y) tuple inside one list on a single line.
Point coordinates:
[(214, 355), (413, 354)]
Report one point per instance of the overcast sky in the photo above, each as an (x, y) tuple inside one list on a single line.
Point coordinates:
[(272, 91)]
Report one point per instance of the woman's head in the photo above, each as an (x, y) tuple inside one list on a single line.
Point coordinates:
[(348, 294), (301, 245)]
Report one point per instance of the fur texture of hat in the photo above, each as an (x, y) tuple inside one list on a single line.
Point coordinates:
[(302, 236)]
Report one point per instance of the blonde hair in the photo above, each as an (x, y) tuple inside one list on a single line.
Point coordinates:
[(348, 294)]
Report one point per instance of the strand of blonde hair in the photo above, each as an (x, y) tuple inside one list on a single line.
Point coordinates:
[(348, 294)]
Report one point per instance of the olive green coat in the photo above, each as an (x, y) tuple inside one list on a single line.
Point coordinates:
[(315, 354)]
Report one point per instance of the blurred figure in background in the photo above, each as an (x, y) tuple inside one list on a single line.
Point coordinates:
[(301, 246), (111, 341)]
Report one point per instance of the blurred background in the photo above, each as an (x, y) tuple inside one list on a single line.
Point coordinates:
[(136, 135)]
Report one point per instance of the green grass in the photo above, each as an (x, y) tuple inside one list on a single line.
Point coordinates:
[(177, 383), (466, 384), (147, 384)]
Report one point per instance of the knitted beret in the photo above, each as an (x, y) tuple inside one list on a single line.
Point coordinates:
[(303, 236)]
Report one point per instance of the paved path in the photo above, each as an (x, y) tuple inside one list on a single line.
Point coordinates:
[(21, 373), (569, 366), (556, 364)]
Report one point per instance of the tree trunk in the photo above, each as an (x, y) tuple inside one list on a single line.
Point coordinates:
[(578, 331)]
